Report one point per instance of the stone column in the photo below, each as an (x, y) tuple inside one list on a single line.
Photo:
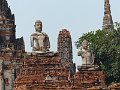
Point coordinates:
[(1, 76), (12, 79)]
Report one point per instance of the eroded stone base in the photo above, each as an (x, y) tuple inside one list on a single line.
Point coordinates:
[(114, 86)]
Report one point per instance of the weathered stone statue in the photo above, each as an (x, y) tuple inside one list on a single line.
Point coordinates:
[(86, 54), (39, 40)]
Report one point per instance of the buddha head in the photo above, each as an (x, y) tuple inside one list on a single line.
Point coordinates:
[(38, 26), (85, 44)]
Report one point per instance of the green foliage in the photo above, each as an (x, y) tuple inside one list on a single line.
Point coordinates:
[(106, 47)]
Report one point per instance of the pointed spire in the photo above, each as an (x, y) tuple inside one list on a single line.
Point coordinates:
[(107, 19), (4, 9)]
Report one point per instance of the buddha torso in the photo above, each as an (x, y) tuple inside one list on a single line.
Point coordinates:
[(39, 41), (87, 57)]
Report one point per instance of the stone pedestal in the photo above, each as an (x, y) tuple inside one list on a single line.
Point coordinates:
[(89, 76), (41, 71)]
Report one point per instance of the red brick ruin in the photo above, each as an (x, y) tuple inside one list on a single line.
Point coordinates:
[(21, 70)]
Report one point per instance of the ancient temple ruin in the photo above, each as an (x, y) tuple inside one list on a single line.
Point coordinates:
[(43, 69)]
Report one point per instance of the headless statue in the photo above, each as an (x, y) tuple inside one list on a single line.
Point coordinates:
[(86, 54), (39, 40)]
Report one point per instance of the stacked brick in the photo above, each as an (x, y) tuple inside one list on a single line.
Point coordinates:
[(89, 78), (41, 71)]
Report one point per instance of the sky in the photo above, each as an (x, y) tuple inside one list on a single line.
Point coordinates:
[(77, 16)]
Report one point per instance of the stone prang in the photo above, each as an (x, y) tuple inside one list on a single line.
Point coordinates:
[(107, 19)]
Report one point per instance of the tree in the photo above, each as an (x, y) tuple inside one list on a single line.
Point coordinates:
[(106, 48)]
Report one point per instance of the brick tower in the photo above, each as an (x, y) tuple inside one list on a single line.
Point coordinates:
[(65, 50), (9, 47), (107, 19)]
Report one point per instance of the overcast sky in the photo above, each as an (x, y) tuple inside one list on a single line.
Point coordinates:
[(78, 16)]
